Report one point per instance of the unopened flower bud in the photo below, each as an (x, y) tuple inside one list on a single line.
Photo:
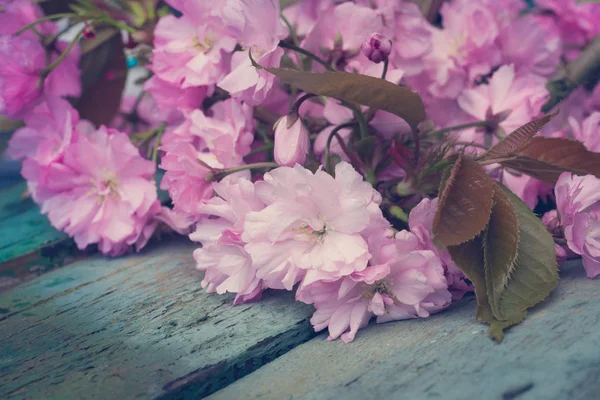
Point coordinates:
[(377, 47), (292, 141), (88, 31)]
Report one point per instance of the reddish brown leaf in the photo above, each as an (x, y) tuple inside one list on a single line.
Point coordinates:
[(358, 89), (517, 139), (104, 74), (512, 263), (465, 203), (546, 158)]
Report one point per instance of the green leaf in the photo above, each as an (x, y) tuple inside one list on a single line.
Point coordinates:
[(358, 89), (500, 242), (517, 139), (546, 158), (512, 265), (465, 203)]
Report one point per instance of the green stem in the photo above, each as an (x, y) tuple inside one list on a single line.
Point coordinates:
[(46, 71), (260, 149), (298, 103), (464, 126), (291, 29), (44, 19), (307, 53), (217, 175), (117, 24), (161, 131), (334, 133), (385, 69)]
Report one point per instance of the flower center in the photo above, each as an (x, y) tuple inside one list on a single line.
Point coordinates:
[(107, 186), (204, 45)]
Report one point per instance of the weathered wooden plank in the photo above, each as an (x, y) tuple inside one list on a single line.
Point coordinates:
[(29, 245), (138, 326), (553, 354)]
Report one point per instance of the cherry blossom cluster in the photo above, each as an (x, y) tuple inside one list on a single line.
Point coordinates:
[(268, 178)]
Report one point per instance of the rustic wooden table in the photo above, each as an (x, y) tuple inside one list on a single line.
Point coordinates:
[(140, 326)]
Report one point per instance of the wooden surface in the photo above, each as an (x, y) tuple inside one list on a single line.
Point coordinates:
[(136, 327), (29, 245), (553, 354)]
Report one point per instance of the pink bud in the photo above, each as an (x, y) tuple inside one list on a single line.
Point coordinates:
[(377, 48), (291, 141)]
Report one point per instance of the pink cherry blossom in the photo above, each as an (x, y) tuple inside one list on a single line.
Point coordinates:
[(48, 130), (578, 205), (222, 257), (193, 50), (409, 284), (261, 30), (507, 91), (101, 191), (312, 222), (21, 72), (200, 143)]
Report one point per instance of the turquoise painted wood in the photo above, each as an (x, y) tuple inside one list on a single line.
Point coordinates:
[(553, 354), (139, 326), (28, 243)]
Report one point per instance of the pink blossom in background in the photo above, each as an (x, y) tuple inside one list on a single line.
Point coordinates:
[(577, 21), (65, 79), (578, 205), (148, 115), (530, 47), (409, 31), (339, 32), (261, 30), (193, 50), (48, 130), (464, 49), (23, 60), (303, 15), (18, 13), (101, 191), (405, 283), (169, 96), (587, 131)]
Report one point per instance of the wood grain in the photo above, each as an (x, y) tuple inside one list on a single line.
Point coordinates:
[(138, 326), (553, 354)]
